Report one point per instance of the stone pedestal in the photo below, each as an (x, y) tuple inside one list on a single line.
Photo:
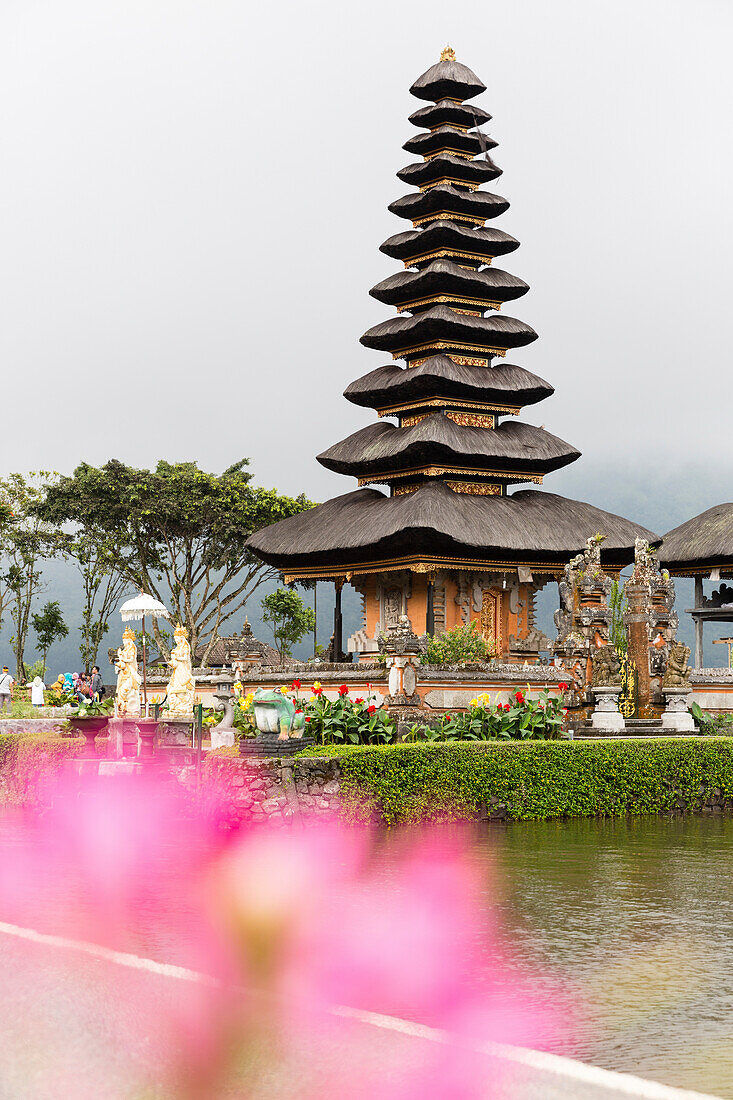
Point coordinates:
[(223, 738), (224, 735), (270, 744), (606, 715), (676, 714), (176, 731), (124, 738)]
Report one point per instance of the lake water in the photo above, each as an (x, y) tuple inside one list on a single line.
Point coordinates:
[(633, 918)]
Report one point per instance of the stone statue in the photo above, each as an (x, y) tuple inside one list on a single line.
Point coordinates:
[(677, 674), (606, 667), (127, 696), (181, 686), (645, 563), (276, 713)]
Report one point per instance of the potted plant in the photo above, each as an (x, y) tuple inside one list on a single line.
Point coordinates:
[(90, 719)]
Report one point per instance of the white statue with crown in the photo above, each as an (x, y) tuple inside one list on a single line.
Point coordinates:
[(181, 686), (127, 695)]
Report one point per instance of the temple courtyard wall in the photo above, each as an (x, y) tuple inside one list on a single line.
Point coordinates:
[(439, 688)]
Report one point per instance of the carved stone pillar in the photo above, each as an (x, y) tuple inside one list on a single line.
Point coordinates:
[(636, 621)]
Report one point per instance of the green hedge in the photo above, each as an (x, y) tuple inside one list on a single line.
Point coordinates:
[(533, 779)]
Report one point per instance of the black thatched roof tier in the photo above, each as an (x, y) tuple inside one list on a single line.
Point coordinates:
[(440, 323), (436, 525), (703, 543), (446, 199), (449, 280), (449, 237), (439, 376), (449, 169), (448, 139), (513, 446), (448, 79), (447, 113)]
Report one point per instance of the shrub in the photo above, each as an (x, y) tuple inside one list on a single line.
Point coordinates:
[(520, 719), (408, 783), (457, 646), (344, 720)]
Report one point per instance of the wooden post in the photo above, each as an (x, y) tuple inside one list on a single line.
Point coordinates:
[(145, 675), (337, 627), (698, 624), (430, 608)]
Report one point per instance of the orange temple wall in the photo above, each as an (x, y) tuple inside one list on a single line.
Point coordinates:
[(502, 614)]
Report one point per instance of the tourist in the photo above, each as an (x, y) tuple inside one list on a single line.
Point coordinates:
[(97, 684), (83, 690), (38, 688), (6, 684)]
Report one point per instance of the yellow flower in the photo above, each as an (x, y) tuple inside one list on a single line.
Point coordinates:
[(284, 690), (316, 684), (474, 702)]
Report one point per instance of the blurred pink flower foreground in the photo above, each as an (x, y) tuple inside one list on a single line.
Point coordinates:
[(277, 929)]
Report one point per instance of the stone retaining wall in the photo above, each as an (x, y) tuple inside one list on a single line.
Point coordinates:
[(276, 790)]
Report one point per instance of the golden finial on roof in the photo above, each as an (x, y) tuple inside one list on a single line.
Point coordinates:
[(448, 54)]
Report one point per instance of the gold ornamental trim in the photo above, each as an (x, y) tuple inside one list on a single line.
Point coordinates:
[(453, 126), (447, 403), (441, 471), (453, 152), (466, 420), (475, 489), (443, 345), (447, 54), (448, 216), (469, 185), (425, 564), (448, 252), (482, 303)]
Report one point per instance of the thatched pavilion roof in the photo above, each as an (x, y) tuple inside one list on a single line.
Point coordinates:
[(433, 523), (484, 242), (503, 384), (447, 278), (447, 199), (513, 446), (448, 79), (703, 543), (446, 112)]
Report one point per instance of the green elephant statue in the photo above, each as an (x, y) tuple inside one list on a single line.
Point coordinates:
[(275, 713)]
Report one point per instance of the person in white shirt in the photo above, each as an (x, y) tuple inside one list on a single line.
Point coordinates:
[(37, 687), (6, 683)]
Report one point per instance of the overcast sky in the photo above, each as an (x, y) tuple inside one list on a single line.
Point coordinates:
[(192, 197)]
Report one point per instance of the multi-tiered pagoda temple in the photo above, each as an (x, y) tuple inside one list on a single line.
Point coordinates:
[(445, 541)]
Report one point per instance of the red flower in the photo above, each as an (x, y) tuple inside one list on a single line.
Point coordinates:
[(519, 697), (358, 699), (371, 709), (299, 710), (343, 690), (507, 707), (295, 686), (317, 690), (307, 718), (563, 687)]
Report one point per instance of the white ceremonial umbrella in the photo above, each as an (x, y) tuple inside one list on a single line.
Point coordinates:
[(138, 608)]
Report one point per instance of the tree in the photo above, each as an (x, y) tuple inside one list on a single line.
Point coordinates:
[(49, 626), (27, 540), (180, 532), (619, 604), (96, 554), (291, 620)]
